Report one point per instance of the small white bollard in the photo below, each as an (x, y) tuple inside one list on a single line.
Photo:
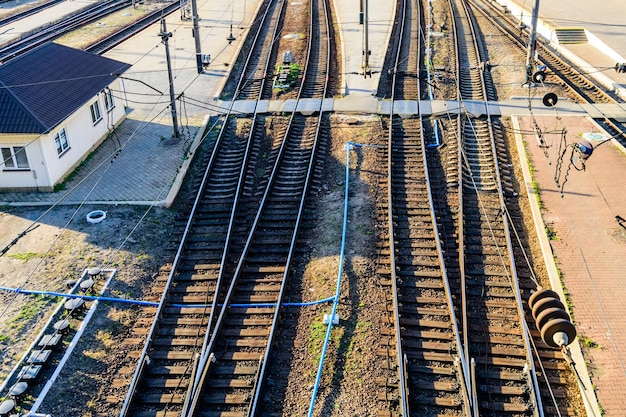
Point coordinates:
[(327, 318)]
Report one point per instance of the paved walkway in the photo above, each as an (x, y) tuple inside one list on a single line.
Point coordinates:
[(140, 163), (589, 247)]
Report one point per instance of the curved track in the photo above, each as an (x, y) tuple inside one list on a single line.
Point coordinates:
[(581, 86)]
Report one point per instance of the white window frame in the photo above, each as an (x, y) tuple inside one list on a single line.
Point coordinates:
[(109, 103), (11, 161), (96, 115), (61, 143)]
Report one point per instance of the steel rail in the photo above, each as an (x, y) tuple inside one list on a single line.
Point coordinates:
[(257, 389), (29, 12), (400, 362), (535, 394), (197, 202), (103, 45), (309, 75), (67, 24), (205, 355), (412, 14), (590, 92), (469, 92)]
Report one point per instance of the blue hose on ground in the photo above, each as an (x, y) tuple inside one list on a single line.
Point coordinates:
[(349, 147), (151, 303)]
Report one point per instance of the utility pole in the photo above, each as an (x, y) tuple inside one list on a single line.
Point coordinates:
[(532, 44), (366, 48), (165, 35), (196, 35)]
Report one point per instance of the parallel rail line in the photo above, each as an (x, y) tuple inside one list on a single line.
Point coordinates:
[(209, 346), (428, 371), (581, 86), (448, 249), (192, 288)]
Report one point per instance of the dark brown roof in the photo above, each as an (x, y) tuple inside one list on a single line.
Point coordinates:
[(40, 89)]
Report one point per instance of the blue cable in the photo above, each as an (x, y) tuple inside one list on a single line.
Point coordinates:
[(20, 290), (349, 147)]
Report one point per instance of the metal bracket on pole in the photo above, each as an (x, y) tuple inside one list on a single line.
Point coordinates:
[(165, 35), (532, 45)]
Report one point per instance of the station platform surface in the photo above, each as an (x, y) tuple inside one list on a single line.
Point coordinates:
[(19, 28), (582, 210), (141, 164)]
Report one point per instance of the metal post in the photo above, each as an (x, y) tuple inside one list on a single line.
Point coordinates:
[(366, 48), (532, 44), (164, 36), (196, 35)]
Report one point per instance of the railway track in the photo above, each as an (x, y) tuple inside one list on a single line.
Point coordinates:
[(581, 86), (229, 188), (453, 269), (28, 12), (495, 331), (422, 350), (209, 346), (78, 20), (53, 31)]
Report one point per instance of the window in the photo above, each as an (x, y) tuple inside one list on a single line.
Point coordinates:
[(60, 140), (14, 157), (95, 112), (108, 99)]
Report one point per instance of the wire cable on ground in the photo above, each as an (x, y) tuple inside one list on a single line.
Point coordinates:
[(349, 146)]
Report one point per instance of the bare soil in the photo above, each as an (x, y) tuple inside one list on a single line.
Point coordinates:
[(132, 240)]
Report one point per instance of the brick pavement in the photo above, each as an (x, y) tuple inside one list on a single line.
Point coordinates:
[(590, 246)]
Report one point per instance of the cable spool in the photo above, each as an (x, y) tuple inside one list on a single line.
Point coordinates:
[(551, 318)]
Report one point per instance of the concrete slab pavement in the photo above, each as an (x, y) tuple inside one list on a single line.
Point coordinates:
[(138, 163), (381, 15)]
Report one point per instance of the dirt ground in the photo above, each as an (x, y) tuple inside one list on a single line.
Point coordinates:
[(60, 244)]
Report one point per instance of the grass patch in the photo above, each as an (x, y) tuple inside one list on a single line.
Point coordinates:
[(551, 233), (588, 343), (25, 256), (63, 185), (31, 309)]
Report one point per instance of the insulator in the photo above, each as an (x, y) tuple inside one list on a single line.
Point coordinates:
[(550, 314), (554, 327), (539, 77), (546, 303), (539, 294), (585, 148), (620, 67), (550, 100)]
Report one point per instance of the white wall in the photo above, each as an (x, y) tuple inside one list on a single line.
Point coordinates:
[(47, 168), (29, 179)]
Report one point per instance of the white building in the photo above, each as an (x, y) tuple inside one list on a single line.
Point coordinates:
[(57, 104)]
